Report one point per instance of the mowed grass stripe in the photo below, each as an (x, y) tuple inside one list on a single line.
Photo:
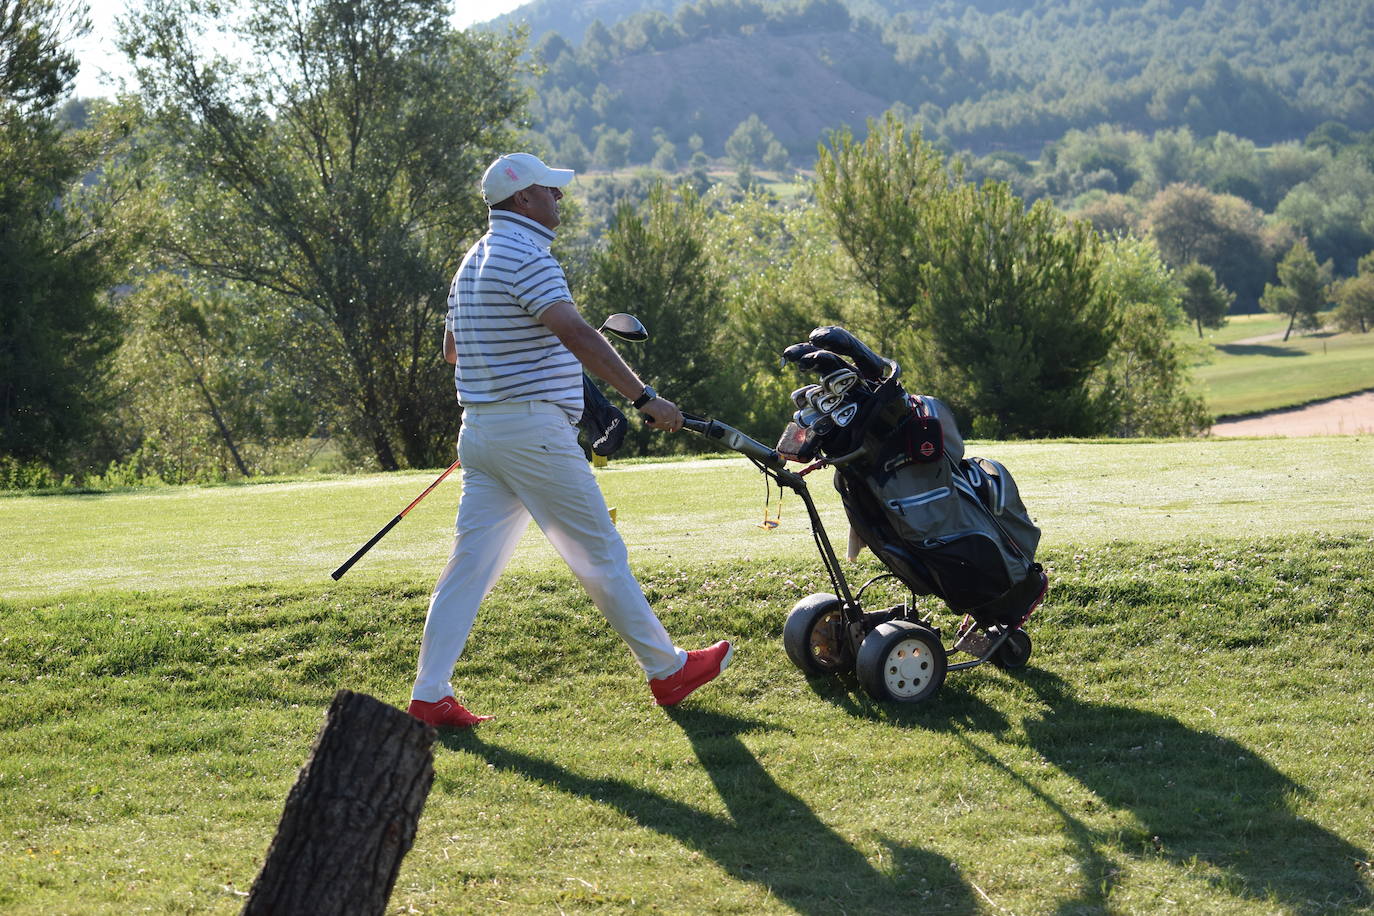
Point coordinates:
[(1246, 367), (671, 514), (1192, 732)]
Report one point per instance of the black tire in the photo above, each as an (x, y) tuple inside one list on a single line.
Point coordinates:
[(1013, 654), (901, 661), (814, 636)]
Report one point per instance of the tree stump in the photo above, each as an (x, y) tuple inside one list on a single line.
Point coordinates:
[(351, 816)]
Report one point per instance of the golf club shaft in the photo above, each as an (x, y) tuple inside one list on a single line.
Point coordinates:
[(348, 564)]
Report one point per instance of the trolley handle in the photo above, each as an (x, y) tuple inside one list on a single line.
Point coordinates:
[(734, 439)]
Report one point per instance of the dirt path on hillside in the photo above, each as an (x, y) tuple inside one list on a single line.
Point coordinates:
[(1349, 415)]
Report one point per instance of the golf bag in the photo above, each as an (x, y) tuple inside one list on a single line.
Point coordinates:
[(944, 524)]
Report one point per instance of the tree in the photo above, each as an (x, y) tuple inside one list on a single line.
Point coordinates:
[(749, 143), (998, 302), (352, 814), (57, 331), (1013, 324), (655, 266), (1191, 224), (665, 158), (1301, 291), (1354, 297), (1204, 301), (335, 167), (1145, 377), (782, 275), (775, 158), (205, 394), (613, 148), (874, 196), (1332, 210), (1110, 214)]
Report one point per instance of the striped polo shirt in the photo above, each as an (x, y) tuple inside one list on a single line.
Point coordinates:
[(505, 282)]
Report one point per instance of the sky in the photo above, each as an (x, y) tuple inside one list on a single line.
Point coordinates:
[(102, 66)]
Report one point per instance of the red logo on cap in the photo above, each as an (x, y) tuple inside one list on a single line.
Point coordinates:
[(510, 173), (927, 449)]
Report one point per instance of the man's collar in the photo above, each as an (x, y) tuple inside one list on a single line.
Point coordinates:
[(511, 220)]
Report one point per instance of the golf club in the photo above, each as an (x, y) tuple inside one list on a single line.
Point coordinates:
[(822, 362), (797, 351), (840, 381), (799, 396), (348, 564), (843, 415), (870, 365), (625, 326), (824, 401)]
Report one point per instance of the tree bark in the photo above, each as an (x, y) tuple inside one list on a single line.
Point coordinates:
[(351, 816)]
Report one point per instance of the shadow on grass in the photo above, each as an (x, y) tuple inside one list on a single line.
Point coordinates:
[(1208, 805), (954, 706), (1258, 350), (770, 839)]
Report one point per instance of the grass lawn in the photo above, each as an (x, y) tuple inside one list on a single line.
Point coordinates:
[(1240, 375), (1191, 736)]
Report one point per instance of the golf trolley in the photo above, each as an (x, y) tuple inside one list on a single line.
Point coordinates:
[(943, 525)]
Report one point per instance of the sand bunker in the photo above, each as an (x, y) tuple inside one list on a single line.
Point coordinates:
[(1347, 416)]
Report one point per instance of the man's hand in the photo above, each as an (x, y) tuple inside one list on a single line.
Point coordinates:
[(661, 413)]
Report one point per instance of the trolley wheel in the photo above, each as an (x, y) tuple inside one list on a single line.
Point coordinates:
[(1014, 653), (814, 636), (902, 661)]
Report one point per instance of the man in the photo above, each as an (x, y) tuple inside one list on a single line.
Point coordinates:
[(519, 346)]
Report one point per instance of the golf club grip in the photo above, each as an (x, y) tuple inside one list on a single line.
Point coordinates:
[(733, 439), (348, 564)]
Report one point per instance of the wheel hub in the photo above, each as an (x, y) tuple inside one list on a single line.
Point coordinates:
[(909, 668), (825, 640)]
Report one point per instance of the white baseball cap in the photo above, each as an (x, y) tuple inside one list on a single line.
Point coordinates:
[(518, 171)]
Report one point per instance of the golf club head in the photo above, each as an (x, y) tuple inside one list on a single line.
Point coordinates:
[(844, 415), (870, 365), (806, 416), (800, 396), (840, 381), (625, 326), (823, 426), (823, 401)]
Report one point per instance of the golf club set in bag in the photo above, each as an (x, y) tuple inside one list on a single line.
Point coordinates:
[(941, 523)]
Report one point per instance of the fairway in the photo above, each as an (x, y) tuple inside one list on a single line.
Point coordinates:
[(1081, 493), (1246, 367), (1190, 737)]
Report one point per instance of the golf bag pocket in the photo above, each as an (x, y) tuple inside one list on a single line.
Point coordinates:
[(913, 431), (938, 519), (798, 443), (925, 439), (992, 484)]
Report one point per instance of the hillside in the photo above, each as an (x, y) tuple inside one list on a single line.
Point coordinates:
[(994, 75), (711, 86)]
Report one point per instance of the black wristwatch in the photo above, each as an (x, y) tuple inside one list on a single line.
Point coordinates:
[(645, 396)]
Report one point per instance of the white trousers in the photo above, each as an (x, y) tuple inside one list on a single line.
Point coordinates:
[(522, 460)]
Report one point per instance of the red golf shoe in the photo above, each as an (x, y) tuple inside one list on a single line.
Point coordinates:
[(447, 713), (703, 665)]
